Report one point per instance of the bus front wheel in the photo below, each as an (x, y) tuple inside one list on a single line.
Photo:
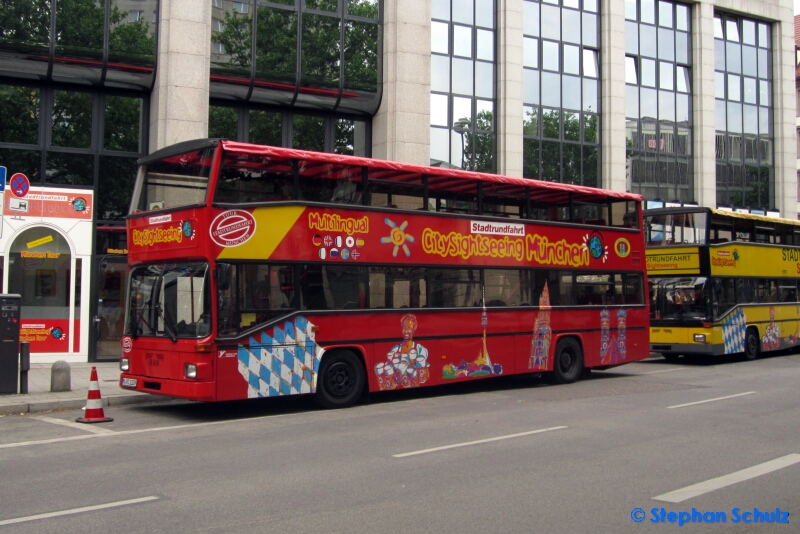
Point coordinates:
[(341, 379), (752, 345), (568, 363)]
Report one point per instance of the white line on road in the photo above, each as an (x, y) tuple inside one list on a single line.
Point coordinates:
[(478, 442), (77, 510), (710, 400), (128, 432), (664, 371), (72, 424), (728, 480)]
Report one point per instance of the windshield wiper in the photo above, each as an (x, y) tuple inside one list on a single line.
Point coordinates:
[(167, 328)]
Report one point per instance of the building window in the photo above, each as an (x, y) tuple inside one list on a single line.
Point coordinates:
[(216, 3), (135, 16), (216, 25), (240, 7), (463, 84), (217, 48), (658, 96), (744, 140), (561, 92)]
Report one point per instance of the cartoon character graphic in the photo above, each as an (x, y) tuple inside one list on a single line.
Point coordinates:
[(542, 333), (482, 366), (772, 334), (406, 363)]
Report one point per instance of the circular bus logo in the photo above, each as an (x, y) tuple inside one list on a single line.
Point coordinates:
[(622, 247), (127, 344), (232, 228)]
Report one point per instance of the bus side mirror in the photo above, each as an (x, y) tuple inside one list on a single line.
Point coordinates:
[(223, 276)]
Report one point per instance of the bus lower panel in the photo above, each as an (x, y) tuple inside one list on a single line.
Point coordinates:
[(707, 349), (198, 391)]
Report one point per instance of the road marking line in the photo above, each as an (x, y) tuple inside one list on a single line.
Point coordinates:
[(728, 480), (478, 442), (664, 371), (127, 432), (710, 400), (77, 510), (72, 424)]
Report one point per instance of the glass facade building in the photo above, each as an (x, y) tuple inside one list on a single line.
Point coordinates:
[(561, 91), (463, 81), (743, 95), (658, 91)]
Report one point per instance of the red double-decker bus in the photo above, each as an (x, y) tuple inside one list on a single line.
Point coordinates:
[(259, 271)]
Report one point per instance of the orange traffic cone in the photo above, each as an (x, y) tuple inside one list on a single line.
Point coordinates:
[(94, 404)]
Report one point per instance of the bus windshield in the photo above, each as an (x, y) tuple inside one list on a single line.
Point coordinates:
[(676, 228), (676, 299), (172, 301)]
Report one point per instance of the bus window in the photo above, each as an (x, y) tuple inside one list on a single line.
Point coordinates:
[(594, 289), (397, 287), (333, 287), (632, 289), (506, 287), (455, 288), (244, 179), (787, 292), (325, 182)]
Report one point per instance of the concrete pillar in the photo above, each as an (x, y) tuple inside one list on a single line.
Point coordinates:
[(401, 128), (704, 117), (179, 101), (509, 87), (612, 89)]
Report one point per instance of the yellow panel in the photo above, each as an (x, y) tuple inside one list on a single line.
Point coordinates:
[(750, 259), (672, 261), (272, 225)]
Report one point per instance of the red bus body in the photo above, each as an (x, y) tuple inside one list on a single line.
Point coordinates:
[(398, 347)]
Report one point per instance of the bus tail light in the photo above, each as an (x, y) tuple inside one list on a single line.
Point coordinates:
[(190, 370), (708, 325), (699, 338), (124, 364), (202, 347)]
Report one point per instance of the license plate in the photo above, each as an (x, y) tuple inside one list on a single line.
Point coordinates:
[(129, 382)]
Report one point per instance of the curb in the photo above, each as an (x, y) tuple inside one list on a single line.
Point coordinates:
[(74, 404)]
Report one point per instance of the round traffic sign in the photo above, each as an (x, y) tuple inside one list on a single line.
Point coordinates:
[(20, 185)]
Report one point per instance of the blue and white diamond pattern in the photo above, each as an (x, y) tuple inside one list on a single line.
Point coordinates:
[(284, 363), (733, 332)]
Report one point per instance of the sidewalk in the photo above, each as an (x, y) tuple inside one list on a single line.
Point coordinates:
[(40, 399)]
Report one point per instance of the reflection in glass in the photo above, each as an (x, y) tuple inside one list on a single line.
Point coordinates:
[(308, 133), (462, 76), (19, 115), (571, 163), (439, 110), (484, 79), (484, 13), (734, 87), (122, 123), (115, 187), (485, 48), (530, 158), (70, 169), (531, 86), (572, 59), (571, 92), (27, 162), (631, 101), (439, 145), (223, 122), (361, 56), (590, 63), (530, 52), (571, 22), (572, 126), (439, 37), (367, 8), (462, 41), (265, 128), (440, 9), (440, 73), (665, 75), (72, 119), (462, 11), (276, 45), (530, 18), (648, 73), (551, 161), (589, 30), (551, 23), (734, 117), (648, 41), (551, 89), (530, 123), (551, 123), (590, 95), (631, 75), (666, 44), (551, 57), (320, 51)]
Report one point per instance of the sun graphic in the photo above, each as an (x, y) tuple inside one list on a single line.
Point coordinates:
[(398, 237)]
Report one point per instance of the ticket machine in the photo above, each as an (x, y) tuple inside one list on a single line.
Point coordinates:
[(9, 343)]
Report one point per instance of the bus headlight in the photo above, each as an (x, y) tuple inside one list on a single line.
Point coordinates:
[(190, 370), (124, 364), (699, 338)]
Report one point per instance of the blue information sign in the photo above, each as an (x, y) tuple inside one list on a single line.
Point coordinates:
[(2, 178)]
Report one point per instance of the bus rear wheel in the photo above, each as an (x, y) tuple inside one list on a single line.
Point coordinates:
[(341, 379), (568, 362), (752, 345)]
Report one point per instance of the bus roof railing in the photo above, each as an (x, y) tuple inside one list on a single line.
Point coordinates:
[(398, 173)]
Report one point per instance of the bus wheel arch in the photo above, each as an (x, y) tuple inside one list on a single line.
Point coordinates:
[(568, 360), (752, 343), (342, 378)]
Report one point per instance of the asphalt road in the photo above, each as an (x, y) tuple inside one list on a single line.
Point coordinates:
[(504, 455)]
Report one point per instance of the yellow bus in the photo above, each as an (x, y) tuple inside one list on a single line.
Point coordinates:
[(721, 282)]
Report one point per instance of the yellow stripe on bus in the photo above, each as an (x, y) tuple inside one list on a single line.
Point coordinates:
[(272, 225)]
